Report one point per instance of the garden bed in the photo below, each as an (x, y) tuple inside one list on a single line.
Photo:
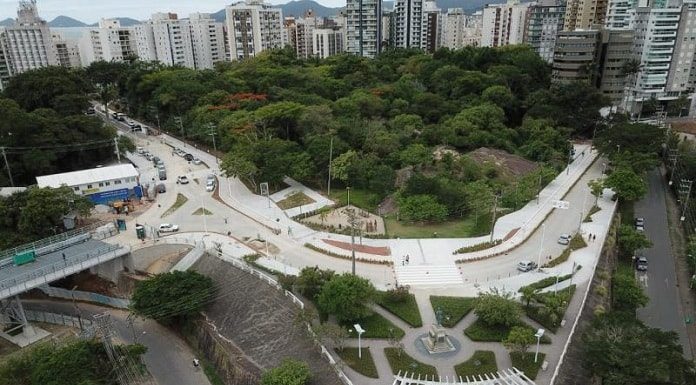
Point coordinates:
[(453, 308), (407, 310), (365, 365), (479, 331), (376, 326), (406, 364), (481, 363), (293, 200), (525, 363)]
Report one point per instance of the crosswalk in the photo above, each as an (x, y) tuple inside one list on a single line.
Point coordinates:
[(428, 275)]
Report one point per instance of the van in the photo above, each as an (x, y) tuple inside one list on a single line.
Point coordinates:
[(162, 173), (140, 150)]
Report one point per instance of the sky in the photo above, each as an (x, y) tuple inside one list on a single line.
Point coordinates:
[(90, 11)]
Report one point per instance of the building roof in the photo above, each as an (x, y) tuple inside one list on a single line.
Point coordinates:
[(91, 175)]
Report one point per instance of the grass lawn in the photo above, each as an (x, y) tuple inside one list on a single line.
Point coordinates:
[(180, 200), (406, 364), (482, 362), (481, 332), (453, 308), (376, 326), (525, 363), (365, 365), (461, 228), (407, 310), (202, 211), (593, 210), (359, 198), (294, 200)]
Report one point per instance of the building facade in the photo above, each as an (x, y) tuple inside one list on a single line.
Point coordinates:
[(431, 27), (102, 185), (67, 51), (252, 28), (503, 24), (616, 51), (327, 41), (207, 40), (300, 32), (408, 21), (28, 43), (576, 56), (109, 42), (584, 14), (364, 27), (544, 20)]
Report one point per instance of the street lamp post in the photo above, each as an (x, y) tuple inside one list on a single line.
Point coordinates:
[(360, 331), (211, 127), (348, 189), (538, 335), (328, 183), (541, 244)]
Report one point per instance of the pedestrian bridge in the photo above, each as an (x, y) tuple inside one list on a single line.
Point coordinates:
[(57, 261)]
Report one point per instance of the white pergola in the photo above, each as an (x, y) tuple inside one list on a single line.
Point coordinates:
[(506, 377)]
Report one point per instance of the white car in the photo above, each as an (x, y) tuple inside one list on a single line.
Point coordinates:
[(196, 161), (564, 239), (525, 266), (182, 179), (168, 228), (210, 185)]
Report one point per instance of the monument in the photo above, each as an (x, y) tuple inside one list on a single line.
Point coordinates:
[(437, 340)]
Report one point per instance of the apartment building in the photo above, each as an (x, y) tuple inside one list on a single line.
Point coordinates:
[(504, 24), (173, 45), (327, 41), (5, 72), (544, 20), (616, 51), (207, 40), (363, 27), (109, 42), (408, 21), (67, 51), (584, 14), (388, 29), (28, 43), (431, 27), (576, 56), (253, 27), (300, 32)]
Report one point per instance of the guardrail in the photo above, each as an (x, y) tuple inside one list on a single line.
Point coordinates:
[(57, 318), (240, 264), (48, 273), (86, 296)]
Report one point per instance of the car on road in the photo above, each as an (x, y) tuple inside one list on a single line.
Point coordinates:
[(640, 224), (114, 115), (641, 263), (121, 117), (148, 156), (182, 179), (564, 239), (160, 188), (196, 161), (131, 124), (90, 111), (210, 185), (140, 150), (168, 228), (188, 157), (525, 266)]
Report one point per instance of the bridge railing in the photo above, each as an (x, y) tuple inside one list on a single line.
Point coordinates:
[(44, 270)]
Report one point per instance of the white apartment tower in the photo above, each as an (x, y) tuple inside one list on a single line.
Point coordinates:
[(109, 42), (28, 42), (455, 22), (207, 40), (503, 24), (172, 36), (252, 28), (327, 42), (300, 32), (408, 21), (363, 27), (4, 62), (67, 51)]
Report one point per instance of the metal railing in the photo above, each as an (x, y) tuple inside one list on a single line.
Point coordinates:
[(56, 318)]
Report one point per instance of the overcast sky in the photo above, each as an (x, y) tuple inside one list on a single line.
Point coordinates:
[(90, 11)]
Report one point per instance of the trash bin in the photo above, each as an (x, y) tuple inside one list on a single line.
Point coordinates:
[(140, 231), (121, 223)]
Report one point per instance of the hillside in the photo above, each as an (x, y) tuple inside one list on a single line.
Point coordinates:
[(65, 22)]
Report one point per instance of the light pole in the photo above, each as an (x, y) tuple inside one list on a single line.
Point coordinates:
[(538, 335), (541, 244), (360, 331), (77, 309), (495, 208), (328, 183), (570, 157), (211, 127)]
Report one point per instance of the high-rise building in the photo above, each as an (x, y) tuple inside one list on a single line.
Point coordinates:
[(207, 40), (28, 42), (618, 13), (616, 51), (431, 27), (576, 56), (408, 21), (503, 24), (455, 23), (388, 29), (584, 14), (172, 37), (300, 32), (544, 21), (252, 28), (363, 27), (4, 61), (341, 21), (327, 41), (67, 51), (109, 41)]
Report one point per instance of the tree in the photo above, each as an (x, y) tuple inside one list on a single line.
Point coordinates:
[(290, 372), (497, 308), (348, 297), (333, 333), (422, 208), (627, 294), (596, 188), (626, 184), (621, 350), (519, 339), (311, 280), (480, 197), (173, 295), (623, 136), (528, 294), (631, 240), (236, 166), (342, 164), (415, 155), (282, 115), (41, 88), (42, 213), (501, 96)]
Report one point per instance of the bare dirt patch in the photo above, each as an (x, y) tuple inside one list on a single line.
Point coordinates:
[(510, 165), (688, 127), (383, 251)]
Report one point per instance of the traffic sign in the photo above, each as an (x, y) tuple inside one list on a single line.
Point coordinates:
[(563, 205)]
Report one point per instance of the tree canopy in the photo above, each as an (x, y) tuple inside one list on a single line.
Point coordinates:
[(347, 297), (169, 296)]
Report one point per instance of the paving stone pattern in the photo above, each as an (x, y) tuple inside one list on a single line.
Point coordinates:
[(260, 320)]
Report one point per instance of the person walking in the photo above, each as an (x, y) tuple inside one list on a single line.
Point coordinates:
[(196, 363)]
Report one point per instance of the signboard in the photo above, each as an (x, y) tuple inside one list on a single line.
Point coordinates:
[(109, 196), (563, 205)]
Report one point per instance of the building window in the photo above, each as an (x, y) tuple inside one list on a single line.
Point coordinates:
[(89, 186), (76, 188), (101, 184)]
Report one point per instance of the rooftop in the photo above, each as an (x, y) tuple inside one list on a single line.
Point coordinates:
[(75, 178)]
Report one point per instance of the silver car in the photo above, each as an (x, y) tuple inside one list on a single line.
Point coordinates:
[(525, 266), (564, 239)]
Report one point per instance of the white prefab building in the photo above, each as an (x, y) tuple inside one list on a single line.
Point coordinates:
[(102, 185)]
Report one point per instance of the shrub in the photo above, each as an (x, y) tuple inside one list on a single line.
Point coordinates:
[(290, 372)]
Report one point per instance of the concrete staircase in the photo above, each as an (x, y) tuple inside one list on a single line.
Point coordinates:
[(428, 275)]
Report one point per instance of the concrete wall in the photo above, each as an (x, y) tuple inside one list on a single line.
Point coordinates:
[(109, 270), (142, 258)]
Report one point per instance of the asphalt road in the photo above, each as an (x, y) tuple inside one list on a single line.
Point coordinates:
[(659, 282), (169, 359)]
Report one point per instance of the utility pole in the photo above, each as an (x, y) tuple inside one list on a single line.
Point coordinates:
[(212, 133), (685, 192), (539, 189), (673, 156), (495, 208), (77, 309), (118, 152), (7, 165), (180, 122), (352, 220), (328, 183)]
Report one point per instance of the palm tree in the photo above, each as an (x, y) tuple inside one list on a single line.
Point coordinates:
[(528, 294)]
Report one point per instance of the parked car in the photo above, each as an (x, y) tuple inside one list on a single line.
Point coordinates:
[(131, 124), (90, 111), (148, 156), (140, 150), (564, 239), (114, 115), (525, 266), (121, 117), (168, 228), (210, 185), (182, 179), (160, 188), (640, 224), (188, 157), (196, 161), (641, 263), (155, 160)]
